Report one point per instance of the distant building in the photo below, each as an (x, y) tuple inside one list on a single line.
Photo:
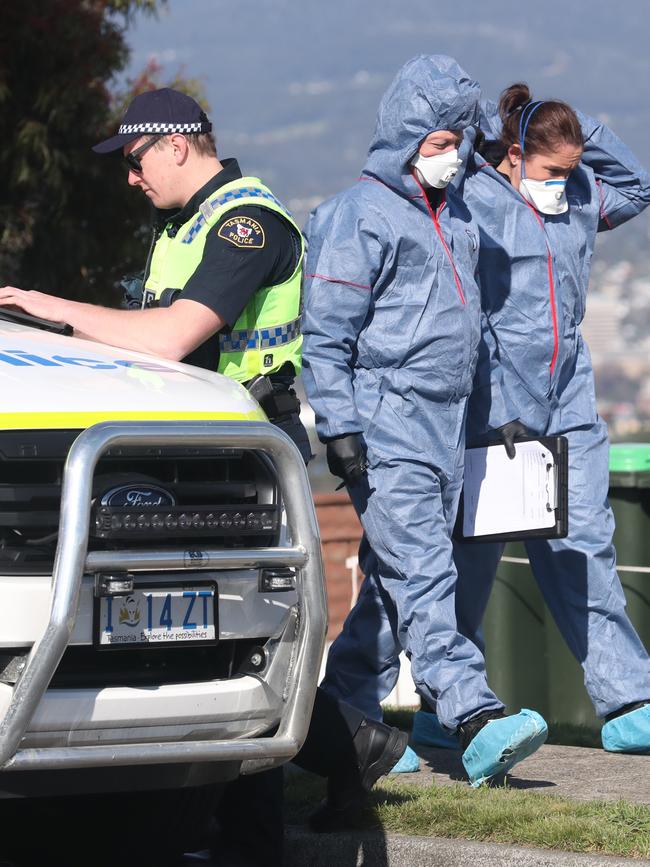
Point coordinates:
[(601, 327), (643, 404)]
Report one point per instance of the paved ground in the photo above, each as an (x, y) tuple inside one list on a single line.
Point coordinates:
[(574, 772)]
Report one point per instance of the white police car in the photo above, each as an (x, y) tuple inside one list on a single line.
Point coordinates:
[(162, 611)]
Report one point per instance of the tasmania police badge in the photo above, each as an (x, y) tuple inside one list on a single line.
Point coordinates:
[(243, 232)]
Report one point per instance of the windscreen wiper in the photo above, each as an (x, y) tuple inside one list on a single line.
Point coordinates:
[(12, 314)]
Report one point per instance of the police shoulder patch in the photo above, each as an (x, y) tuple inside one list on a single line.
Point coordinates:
[(243, 232)]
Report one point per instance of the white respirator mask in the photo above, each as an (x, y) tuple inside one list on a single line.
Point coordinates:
[(436, 171), (548, 197)]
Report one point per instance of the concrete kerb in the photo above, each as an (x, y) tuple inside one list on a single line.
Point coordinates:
[(376, 849)]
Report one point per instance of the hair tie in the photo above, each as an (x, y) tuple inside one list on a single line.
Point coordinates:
[(533, 106), (518, 108)]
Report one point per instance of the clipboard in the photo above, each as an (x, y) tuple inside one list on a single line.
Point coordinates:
[(524, 498)]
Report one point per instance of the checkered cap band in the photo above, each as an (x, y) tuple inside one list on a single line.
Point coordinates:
[(163, 128)]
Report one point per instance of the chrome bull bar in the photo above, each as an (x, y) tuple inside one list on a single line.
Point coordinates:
[(72, 560)]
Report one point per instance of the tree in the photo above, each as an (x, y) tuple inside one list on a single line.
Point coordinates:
[(69, 224)]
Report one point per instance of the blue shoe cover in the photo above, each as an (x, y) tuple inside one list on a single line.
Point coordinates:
[(428, 731), (502, 743), (629, 733), (408, 764)]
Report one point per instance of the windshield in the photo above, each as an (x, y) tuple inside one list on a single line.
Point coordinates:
[(12, 314)]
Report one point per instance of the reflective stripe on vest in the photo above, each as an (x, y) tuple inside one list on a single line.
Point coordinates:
[(262, 338), (267, 333), (208, 207)]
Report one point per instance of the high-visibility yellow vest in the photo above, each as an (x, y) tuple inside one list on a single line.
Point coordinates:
[(267, 334)]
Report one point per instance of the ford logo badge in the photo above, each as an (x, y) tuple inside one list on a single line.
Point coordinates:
[(135, 496)]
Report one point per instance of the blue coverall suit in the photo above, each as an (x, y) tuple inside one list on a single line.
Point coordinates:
[(534, 271), (391, 329)]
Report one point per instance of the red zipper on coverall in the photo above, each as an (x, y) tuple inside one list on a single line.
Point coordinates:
[(434, 216), (551, 281), (551, 287)]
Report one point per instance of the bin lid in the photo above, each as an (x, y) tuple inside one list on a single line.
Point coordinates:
[(629, 464)]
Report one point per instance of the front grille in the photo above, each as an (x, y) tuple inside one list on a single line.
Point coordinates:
[(198, 478), (84, 667)]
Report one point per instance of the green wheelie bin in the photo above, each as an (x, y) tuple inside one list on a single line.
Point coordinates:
[(629, 496), (529, 664)]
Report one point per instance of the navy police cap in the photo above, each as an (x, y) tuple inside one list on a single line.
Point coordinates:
[(157, 112)]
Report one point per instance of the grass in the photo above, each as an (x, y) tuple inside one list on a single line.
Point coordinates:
[(495, 815)]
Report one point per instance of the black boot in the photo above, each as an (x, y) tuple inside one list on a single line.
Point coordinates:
[(468, 730), (625, 709), (377, 748)]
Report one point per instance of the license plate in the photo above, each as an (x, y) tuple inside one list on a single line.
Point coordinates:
[(156, 616)]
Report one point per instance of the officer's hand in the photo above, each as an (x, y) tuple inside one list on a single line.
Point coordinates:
[(510, 432), (346, 458), (35, 303)]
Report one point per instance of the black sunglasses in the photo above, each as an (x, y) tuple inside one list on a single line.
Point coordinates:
[(132, 160)]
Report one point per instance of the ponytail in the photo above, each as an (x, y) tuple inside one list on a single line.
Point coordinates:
[(537, 126), (513, 99)]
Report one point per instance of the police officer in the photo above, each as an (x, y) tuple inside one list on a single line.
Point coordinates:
[(221, 290)]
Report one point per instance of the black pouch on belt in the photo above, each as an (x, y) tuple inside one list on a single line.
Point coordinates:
[(276, 402)]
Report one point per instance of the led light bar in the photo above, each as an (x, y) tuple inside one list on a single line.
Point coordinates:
[(110, 522)]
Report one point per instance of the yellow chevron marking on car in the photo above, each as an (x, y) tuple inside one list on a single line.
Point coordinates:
[(73, 420)]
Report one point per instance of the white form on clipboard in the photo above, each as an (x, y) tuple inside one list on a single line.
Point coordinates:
[(501, 495)]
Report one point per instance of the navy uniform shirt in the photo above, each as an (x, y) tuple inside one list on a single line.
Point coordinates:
[(249, 248)]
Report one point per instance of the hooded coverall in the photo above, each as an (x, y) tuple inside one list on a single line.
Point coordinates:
[(534, 271), (391, 327)]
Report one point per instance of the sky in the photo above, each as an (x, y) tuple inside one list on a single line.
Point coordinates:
[(293, 87)]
